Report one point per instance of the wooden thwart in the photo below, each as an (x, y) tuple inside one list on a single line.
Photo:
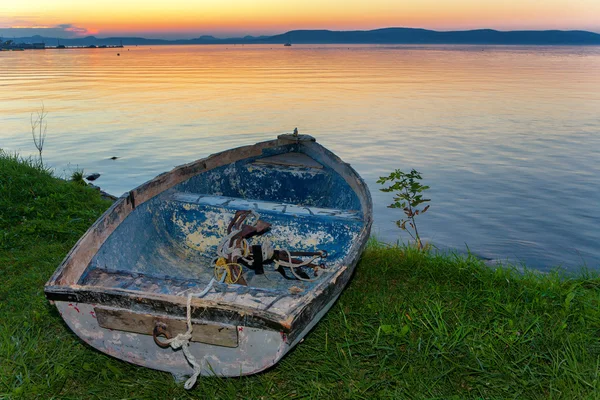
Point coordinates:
[(127, 321), (290, 160)]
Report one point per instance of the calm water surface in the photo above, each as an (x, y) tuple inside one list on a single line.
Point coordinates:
[(508, 138)]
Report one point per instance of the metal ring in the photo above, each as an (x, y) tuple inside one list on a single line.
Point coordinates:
[(160, 329)]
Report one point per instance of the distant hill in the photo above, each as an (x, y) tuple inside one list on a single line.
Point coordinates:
[(424, 36), (376, 36), (133, 41)]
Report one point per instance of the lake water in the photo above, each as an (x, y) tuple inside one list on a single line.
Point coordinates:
[(508, 138)]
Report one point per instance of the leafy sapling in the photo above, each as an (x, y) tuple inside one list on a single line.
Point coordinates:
[(408, 196)]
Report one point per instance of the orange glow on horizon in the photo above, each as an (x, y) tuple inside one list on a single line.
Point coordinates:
[(188, 17)]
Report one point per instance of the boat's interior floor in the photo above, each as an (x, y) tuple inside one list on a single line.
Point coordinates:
[(170, 246)]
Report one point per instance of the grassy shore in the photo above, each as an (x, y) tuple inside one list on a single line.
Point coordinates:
[(410, 325)]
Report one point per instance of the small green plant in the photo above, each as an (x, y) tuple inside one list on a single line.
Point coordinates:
[(408, 197), (77, 177)]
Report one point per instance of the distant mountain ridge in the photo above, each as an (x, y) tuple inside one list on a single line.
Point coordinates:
[(425, 36), (376, 36)]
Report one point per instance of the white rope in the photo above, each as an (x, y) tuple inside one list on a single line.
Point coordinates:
[(267, 251), (228, 250), (182, 340), (225, 249), (289, 264)]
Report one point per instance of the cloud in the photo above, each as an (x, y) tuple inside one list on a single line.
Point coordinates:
[(62, 31)]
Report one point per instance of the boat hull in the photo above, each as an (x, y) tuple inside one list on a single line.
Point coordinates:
[(257, 350), (112, 300)]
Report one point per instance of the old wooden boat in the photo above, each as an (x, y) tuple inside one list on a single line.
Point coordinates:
[(147, 272)]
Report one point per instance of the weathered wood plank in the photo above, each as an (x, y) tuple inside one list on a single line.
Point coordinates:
[(127, 321), (150, 303), (290, 160)]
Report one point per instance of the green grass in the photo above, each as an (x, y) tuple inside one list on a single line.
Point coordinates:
[(410, 325), (77, 177)]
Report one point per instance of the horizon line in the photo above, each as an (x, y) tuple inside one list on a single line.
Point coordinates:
[(242, 36)]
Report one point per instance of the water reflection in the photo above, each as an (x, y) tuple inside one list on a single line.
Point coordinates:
[(507, 137)]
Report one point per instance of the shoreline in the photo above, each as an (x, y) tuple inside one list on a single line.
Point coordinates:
[(410, 324)]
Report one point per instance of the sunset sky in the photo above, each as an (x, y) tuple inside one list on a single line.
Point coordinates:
[(223, 18)]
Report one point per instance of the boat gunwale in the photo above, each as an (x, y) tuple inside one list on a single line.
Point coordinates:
[(170, 305)]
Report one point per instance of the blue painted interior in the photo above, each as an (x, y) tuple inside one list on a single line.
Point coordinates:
[(166, 245), (305, 186)]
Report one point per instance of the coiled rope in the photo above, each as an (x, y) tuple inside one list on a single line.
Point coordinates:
[(228, 250)]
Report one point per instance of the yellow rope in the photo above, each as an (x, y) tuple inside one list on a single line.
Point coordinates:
[(223, 267)]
